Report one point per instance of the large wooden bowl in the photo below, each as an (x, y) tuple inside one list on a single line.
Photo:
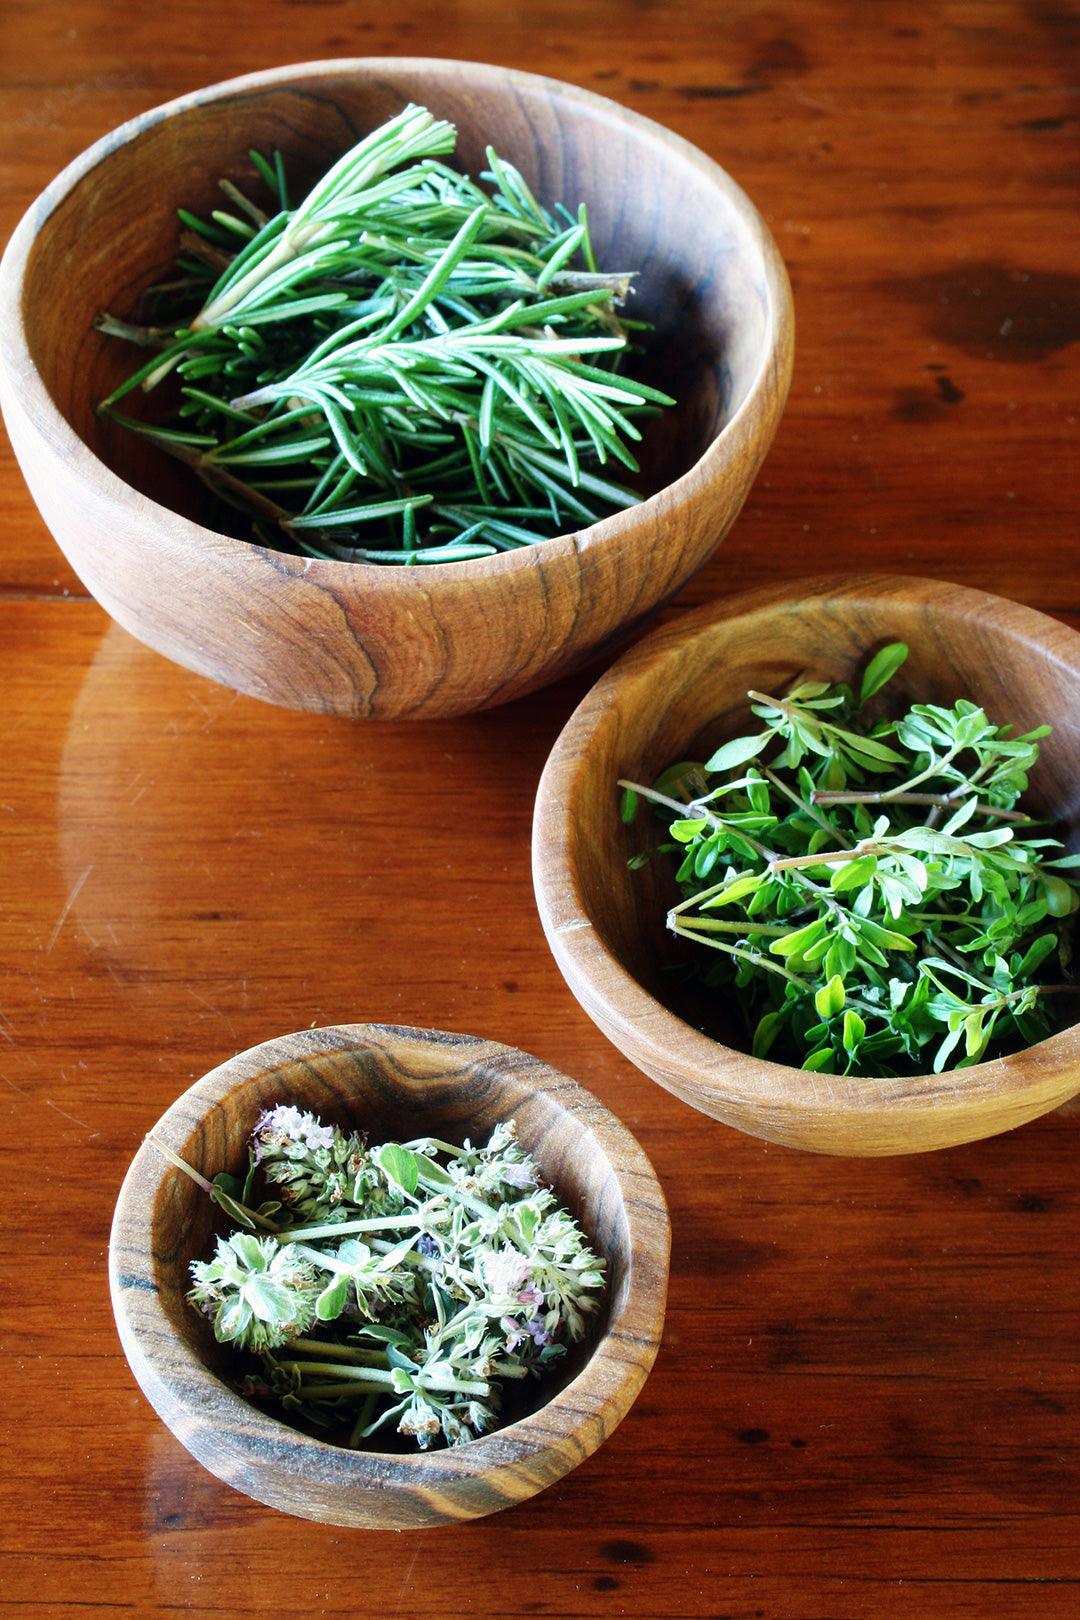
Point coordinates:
[(391, 1084), (358, 639), (676, 695)]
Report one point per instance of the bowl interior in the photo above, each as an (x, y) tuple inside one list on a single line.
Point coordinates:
[(654, 207), (680, 693)]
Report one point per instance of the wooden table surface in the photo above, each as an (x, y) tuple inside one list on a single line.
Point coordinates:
[(867, 1400)]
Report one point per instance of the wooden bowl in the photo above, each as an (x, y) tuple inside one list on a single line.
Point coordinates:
[(679, 693), (391, 1084), (357, 639)]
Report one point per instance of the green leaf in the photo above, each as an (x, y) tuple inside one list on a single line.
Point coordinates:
[(974, 1038), (854, 1030), (941, 1057), (737, 890), (886, 939), (685, 830), (738, 751), (766, 1032), (794, 944), (250, 1251), (808, 690), (430, 1173), (881, 669), (398, 1165), (628, 807), (829, 1000), (763, 898), (840, 957), (235, 1211), (233, 1320), (992, 838), (270, 1301), (706, 857), (1036, 955), (333, 1299), (1061, 898), (758, 792), (853, 874)]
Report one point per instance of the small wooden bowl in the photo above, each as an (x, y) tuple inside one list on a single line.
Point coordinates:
[(357, 639), (391, 1084), (678, 694)]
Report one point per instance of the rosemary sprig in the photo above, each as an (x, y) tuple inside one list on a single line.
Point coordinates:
[(869, 895), (402, 1284), (404, 368)]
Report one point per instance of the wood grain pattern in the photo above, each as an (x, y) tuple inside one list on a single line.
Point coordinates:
[(357, 639), (389, 1084), (865, 1403), (680, 693)]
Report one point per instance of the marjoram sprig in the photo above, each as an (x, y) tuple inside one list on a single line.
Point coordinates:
[(871, 896)]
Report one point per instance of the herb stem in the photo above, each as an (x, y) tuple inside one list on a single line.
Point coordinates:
[(815, 798), (715, 926), (696, 811), (688, 932), (367, 1223), (945, 801), (339, 1352), (379, 1379)]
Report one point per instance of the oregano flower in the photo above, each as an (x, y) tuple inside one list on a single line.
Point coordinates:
[(402, 1283)]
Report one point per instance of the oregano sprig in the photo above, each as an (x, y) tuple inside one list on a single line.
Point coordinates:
[(871, 897), (401, 1284)]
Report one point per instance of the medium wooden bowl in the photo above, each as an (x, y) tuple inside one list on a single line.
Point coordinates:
[(357, 639), (677, 695), (391, 1084)]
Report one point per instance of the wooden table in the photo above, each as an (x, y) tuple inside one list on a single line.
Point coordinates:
[(867, 1401)]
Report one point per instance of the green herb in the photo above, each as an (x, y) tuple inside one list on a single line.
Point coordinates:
[(404, 1283), (404, 368), (873, 901)]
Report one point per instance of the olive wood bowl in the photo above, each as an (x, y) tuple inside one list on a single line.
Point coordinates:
[(678, 694), (359, 639), (390, 1084)]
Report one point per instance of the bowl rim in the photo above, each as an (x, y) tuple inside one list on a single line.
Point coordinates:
[(25, 383), (730, 1082), (599, 1393)]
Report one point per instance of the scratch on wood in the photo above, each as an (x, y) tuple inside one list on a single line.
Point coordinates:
[(408, 1575), (63, 1112), (71, 899)]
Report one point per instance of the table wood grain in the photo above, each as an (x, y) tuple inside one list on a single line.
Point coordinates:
[(867, 1400)]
